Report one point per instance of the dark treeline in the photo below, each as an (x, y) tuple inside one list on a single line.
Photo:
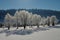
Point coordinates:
[(41, 12)]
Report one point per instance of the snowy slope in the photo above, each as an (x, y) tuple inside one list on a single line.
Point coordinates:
[(46, 33)]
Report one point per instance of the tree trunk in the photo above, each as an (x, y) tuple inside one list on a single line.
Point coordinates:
[(53, 24), (48, 24), (37, 26), (24, 26), (8, 27), (17, 27)]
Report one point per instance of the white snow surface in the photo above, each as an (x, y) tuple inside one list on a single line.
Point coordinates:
[(42, 33)]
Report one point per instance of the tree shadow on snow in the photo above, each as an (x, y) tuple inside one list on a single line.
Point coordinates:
[(22, 31), (40, 29), (54, 26)]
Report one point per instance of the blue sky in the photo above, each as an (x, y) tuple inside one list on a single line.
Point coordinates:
[(40, 4)]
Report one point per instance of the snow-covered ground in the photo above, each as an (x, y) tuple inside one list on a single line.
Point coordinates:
[(42, 33)]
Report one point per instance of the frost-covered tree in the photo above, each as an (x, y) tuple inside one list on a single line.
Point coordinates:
[(48, 20), (36, 19), (24, 17), (43, 21), (8, 20), (16, 16), (29, 20), (13, 21), (29, 17), (54, 20)]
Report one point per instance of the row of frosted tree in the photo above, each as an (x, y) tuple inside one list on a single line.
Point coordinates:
[(25, 18)]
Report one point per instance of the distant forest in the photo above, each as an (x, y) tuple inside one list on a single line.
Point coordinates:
[(42, 12)]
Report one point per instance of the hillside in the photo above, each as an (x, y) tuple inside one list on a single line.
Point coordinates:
[(41, 12)]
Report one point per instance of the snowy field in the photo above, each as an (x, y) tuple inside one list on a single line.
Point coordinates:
[(42, 33)]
